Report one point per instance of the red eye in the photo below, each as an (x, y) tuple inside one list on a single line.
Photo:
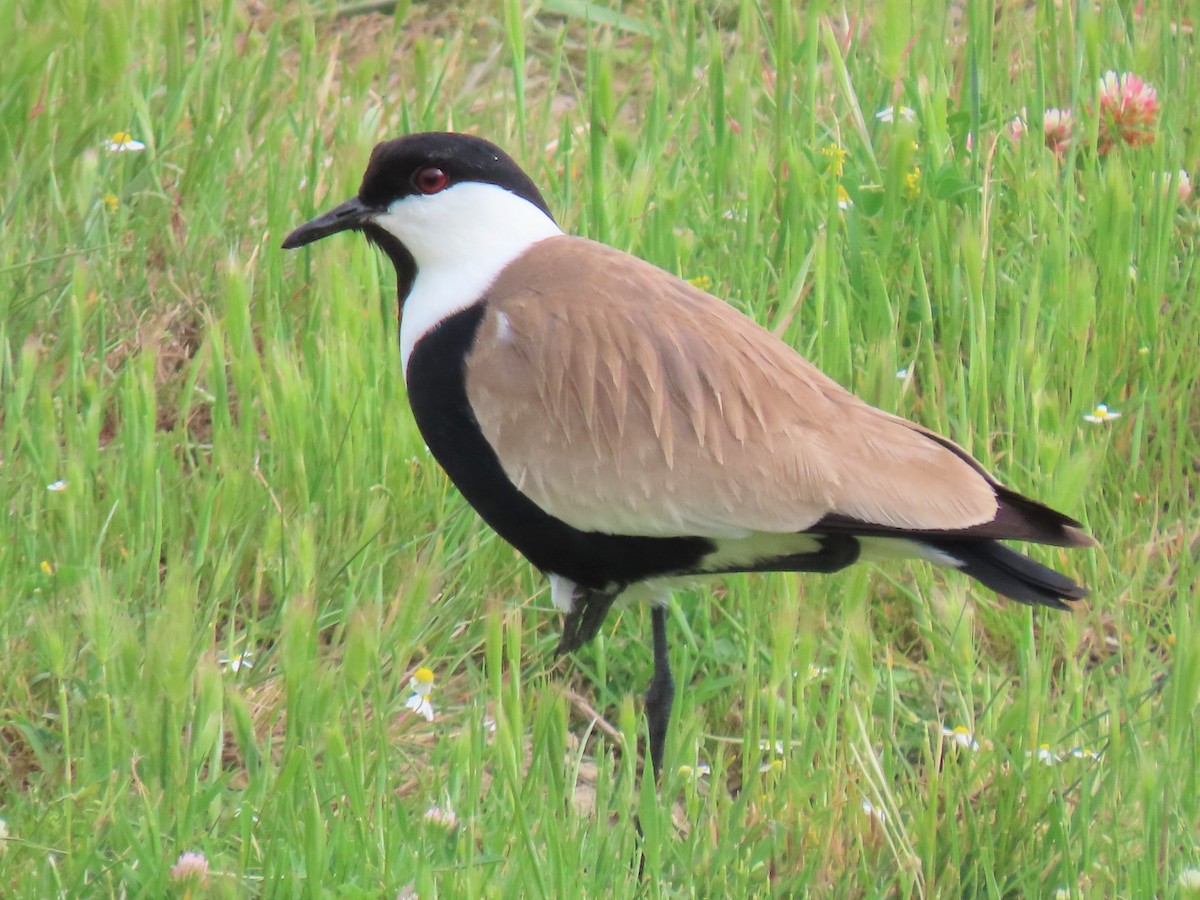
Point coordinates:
[(430, 180)]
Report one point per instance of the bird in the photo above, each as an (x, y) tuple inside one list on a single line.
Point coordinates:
[(626, 431)]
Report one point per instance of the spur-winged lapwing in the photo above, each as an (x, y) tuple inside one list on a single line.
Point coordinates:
[(622, 428)]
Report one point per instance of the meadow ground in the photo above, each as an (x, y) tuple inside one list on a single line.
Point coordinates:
[(225, 552)]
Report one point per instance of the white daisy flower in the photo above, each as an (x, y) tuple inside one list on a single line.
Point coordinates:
[(1101, 414), (236, 664), (960, 736), (874, 812), (1046, 756), (889, 113), (811, 674), (422, 686), (123, 142)]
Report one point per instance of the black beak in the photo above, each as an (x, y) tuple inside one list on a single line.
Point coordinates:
[(350, 215)]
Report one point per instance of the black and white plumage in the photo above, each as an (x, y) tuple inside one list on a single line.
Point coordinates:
[(621, 428)]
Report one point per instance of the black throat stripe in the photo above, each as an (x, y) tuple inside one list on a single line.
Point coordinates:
[(437, 391)]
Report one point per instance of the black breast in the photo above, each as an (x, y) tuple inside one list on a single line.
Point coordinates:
[(437, 391)]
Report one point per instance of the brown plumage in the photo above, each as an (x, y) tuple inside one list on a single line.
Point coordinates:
[(646, 406)]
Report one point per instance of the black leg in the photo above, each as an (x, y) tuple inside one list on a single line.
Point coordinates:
[(661, 692)]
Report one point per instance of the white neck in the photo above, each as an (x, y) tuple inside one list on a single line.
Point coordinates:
[(461, 239)]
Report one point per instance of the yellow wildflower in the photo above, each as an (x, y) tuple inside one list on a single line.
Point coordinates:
[(912, 183), (837, 159)]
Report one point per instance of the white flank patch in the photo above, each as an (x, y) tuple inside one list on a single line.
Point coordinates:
[(877, 549), (461, 239), (655, 591), (562, 593), (733, 553)]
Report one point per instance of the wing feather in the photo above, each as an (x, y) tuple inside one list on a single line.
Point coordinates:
[(645, 406)]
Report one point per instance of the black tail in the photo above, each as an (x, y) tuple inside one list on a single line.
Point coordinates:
[(1010, 573)]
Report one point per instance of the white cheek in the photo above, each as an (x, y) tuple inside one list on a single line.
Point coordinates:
[(468, 223)]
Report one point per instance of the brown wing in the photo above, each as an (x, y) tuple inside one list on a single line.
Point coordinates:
[(622, 399)]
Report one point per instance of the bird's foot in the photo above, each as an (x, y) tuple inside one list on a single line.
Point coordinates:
[(583, 622)]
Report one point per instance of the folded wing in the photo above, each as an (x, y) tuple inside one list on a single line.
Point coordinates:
[(644, 406)]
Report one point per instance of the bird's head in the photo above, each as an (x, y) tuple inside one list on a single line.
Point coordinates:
[(438, 199)]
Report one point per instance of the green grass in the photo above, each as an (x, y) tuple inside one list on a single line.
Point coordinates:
[(243, 475)]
